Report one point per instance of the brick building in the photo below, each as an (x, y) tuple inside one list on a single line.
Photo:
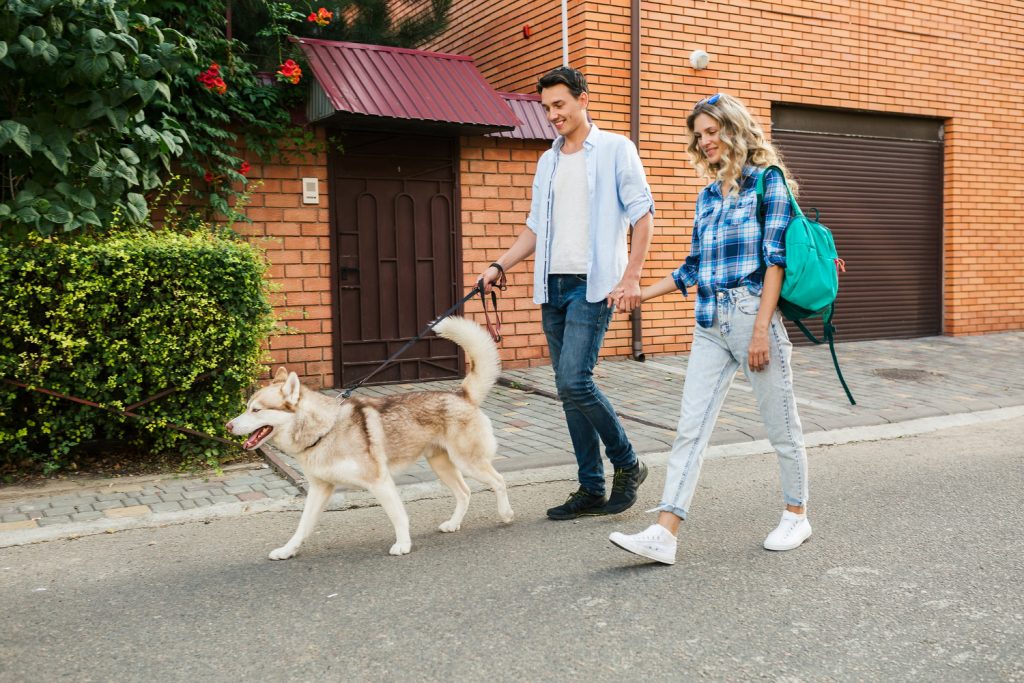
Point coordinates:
[(902, 122)]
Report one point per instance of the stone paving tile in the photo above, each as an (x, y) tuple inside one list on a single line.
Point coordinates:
[(50, 521), (15, 526), (87, 516)]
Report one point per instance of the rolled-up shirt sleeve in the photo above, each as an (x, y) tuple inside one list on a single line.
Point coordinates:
[(686, 274), (634, 192), (778, 213)]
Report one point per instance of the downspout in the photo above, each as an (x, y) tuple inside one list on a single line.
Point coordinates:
[(634, 135)]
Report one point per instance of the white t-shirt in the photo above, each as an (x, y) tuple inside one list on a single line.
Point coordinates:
[(570, 239)]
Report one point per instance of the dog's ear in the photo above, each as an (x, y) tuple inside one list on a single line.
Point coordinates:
[(291, 389), (281, 374)]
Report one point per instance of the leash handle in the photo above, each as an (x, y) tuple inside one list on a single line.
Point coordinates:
[(502, 284)]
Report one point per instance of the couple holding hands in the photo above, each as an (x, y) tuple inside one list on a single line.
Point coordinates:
[(589, 189)]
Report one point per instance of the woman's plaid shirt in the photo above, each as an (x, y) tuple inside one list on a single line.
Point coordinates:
[(728, 250)]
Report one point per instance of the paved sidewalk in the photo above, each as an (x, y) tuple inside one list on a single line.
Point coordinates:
[(894, 381)]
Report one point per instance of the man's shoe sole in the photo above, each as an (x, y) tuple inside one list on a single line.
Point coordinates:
[(594, 513), (615, 511), (642, 553)]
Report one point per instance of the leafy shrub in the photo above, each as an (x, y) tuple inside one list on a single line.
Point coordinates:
[(85, 88), (119, 319)]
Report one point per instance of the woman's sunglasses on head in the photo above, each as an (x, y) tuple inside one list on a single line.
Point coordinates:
[(709, 100)]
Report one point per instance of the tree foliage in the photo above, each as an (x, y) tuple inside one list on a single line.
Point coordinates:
[(85, 127)]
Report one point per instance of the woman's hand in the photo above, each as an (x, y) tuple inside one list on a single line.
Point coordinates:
[(757, 352)]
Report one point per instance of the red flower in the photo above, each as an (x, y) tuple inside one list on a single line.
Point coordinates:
[(208, 177), (289, 72), (321, 17), (212, 80), (244, 168)]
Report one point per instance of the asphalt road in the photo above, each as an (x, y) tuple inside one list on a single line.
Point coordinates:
[(914, 572)]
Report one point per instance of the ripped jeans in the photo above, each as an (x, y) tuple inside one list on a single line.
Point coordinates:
[(716, 354)]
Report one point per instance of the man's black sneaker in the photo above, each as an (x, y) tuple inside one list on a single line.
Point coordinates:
[(624, 486), (579, 503)]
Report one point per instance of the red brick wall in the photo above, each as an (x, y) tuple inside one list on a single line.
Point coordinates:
[(497, 175), (492, 33), (296, 239), (956, 60)]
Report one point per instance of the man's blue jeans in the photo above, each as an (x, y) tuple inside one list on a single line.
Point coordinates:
[(575, 329)]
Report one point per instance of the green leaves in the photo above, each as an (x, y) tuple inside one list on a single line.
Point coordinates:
[(118, 320), (77, 80), (92, 66), (17, 133)]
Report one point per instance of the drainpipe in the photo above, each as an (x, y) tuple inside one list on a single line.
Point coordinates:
[(634, 134)]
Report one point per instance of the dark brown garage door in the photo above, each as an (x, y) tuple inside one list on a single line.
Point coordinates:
[(877, 181), (396, 253)]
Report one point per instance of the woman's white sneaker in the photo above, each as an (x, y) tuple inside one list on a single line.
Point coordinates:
[(792, 531), (655, 543)]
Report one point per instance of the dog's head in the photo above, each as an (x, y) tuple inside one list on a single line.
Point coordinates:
[(270, 408)]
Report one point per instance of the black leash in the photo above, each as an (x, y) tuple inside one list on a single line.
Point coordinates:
[(495, 330), (129, 411)]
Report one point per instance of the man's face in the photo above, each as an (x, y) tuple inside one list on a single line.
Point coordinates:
[(565, 112)]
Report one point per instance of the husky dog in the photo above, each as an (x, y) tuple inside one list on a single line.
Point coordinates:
[(364, 441)]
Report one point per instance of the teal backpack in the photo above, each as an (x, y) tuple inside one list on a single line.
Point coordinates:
[(812, 272)]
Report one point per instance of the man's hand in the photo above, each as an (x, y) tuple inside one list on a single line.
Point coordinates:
[(488, 278), (625, 296)]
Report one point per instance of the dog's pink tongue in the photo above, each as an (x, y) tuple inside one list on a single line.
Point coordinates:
[(256, 437)]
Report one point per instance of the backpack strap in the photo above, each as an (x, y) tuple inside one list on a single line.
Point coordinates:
[(760, 187), (828, 336)]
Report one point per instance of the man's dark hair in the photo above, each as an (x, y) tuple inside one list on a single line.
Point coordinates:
[(567, 76)]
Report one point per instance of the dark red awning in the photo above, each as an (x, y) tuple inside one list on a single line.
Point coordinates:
[(403, 85), (534, 123)]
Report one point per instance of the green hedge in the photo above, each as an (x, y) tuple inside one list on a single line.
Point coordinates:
[(116, 321)]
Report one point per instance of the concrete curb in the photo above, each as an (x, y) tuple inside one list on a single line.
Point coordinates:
[(106, 526)]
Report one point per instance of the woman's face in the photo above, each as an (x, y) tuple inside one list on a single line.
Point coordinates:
[(705, 131)]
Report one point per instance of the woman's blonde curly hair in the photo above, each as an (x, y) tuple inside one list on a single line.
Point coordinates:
[(743, 141)]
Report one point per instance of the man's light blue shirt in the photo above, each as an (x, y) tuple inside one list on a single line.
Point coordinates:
[(619, 197)]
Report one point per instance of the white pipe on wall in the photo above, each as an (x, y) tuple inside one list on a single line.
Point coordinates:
[(565, 34)]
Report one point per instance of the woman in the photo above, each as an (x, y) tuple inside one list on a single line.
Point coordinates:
[(737, 267)]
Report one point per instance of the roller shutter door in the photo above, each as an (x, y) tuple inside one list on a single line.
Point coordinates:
[(882, 199)]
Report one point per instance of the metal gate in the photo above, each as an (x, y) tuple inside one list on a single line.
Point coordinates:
[(877, 181), (395, 252)]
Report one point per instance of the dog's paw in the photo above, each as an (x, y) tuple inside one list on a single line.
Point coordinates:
[(282, 553), (401, 548), (449, 526), (507, 517)]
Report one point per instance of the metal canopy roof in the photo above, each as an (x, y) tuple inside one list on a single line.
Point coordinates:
[(534, 126), (370, 83)]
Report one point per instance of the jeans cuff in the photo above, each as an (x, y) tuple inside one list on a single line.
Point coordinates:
[(665, 507)]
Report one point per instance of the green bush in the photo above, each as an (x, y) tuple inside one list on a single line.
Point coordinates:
[(119, 319)]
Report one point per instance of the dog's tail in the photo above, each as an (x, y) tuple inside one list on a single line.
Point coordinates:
[(483, 364)]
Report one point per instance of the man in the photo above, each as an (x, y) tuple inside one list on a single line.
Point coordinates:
[(588, 189)]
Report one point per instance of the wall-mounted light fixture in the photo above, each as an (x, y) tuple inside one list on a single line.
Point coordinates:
[(699, 59), (527, 31)]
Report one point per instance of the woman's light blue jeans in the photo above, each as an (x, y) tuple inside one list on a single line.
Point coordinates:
[(716, 354), (575, 329)]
